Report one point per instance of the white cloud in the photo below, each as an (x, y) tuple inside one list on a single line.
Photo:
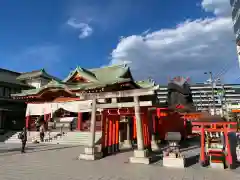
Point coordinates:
[(190, 49), (84, 28), (218, 7), (106, 15)]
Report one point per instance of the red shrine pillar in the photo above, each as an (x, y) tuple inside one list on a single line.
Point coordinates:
[(158, 125), (79, 121), (46, 119), (154, 123), (27, 121)]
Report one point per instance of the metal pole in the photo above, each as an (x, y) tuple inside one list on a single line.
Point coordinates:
[(201, 105), (213, 97), (222, 99), (207, 101), (209, 110), (212, 86)]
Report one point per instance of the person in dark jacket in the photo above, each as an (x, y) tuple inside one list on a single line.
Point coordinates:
[(42, 132), (23, 138)]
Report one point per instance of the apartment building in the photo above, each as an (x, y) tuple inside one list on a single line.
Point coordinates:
[(235, 5), (202, 95)]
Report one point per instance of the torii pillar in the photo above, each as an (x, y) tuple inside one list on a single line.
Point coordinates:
[(91, 152), (140, 155)]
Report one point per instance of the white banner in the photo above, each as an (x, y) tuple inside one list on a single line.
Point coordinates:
[(49, 108), (64, 119)]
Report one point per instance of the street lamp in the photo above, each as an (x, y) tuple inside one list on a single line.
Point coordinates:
[(212, 85)]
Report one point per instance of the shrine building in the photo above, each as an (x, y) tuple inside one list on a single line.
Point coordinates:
[(105, 105), (58, 103)]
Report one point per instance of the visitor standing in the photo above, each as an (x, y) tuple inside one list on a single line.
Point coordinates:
[(42, 132), (23, 137)]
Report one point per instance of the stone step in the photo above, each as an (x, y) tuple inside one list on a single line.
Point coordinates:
[(79, 138), (14, 138)]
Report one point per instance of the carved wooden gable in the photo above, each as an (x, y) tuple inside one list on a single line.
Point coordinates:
[(78, 78)]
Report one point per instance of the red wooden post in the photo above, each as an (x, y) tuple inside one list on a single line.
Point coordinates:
[(27, 122), (202, 153), (110, 136), (117, 134), (46, 119), (134, 128), (184, 120), (103, 118), (113, 134), (229, 155), (79, 121), (158, 113), (147, 130), (154, 123), (144, 131), (106, 139)]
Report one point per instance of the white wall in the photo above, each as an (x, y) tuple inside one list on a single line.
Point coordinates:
[(38, 82)]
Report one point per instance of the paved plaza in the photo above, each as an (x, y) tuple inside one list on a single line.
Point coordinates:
[(47, 162)]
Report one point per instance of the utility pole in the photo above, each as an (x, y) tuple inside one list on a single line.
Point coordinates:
[(201, 100), (212, 86), (223, 100), (208, 101)]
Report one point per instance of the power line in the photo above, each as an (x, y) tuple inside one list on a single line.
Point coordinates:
[(224, 71), (236, 79)]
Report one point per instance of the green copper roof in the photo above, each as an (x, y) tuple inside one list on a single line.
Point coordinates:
[(83, 72), (7, 76), (104, 74), (51, 84), (86, 86), (34, 74), (99, 77), (82, 86), (145, 84)]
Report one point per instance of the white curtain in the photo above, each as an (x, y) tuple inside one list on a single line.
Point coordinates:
[(49, 108), (76, 106)]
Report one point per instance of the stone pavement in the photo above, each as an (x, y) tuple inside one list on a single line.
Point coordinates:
[(47, 162)]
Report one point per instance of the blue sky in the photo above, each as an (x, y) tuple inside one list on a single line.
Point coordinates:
[(58, 35)]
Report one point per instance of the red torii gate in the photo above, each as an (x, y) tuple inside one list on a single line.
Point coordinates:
[(110, 128)]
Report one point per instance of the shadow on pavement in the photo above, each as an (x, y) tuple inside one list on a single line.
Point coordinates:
[(7, 135), (5, 152), (189, 161), (14, 150)]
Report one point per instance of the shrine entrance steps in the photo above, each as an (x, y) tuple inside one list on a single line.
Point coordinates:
[(7, 135), (77, 138), (14, 138), (68, 138)]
